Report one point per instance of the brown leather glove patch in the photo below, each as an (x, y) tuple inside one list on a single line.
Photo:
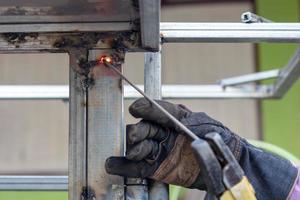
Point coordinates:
[(181, 166)]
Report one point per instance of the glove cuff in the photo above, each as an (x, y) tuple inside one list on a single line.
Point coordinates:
[(271, 176)]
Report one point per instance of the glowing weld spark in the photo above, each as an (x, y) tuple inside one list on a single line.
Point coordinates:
[(105, 59)]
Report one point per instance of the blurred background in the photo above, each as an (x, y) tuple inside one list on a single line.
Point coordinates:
[(34, 134)]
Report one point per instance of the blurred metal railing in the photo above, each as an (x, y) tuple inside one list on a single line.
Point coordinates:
[(34, 183)]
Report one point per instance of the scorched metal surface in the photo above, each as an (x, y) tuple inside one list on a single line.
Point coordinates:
[(29, 11)]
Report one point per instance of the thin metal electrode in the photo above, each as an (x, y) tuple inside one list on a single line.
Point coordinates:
[(171, 117)]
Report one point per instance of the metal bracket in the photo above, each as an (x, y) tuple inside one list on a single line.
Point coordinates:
[(249, 17)]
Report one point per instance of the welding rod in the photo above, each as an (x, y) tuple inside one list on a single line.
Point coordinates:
[(171, 117)]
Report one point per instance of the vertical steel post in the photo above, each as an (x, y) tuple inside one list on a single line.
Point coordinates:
[(77, 128), (96, 132), (152, 74), (152, 84), (105, 128)]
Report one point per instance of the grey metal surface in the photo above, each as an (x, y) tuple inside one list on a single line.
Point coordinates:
[(62, 42), (154, 103), (34, 183), (32, 11), (288, 76), (34, 92), (105, 127), (77, 131), (249, 78), (51, 40), (136, 189), (152, 75), (152, 87), (168, 92), (150, 28), (66, 27), (230, 32), (208, 92)]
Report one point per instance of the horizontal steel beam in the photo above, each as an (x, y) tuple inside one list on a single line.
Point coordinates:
[(287, 76), (230, 32), (247, 78), (170, 32), (34, 183), (34, 92), (168, 92), (66, 27)]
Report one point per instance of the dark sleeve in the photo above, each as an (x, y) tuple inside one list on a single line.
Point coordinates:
[(272, 177)]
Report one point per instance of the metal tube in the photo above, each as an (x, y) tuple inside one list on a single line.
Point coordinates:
[(105, 129), (34, 92), (171, 117), (152, 75), (65, 27), (287, 76), (230, 32), (15, 92), (248, 78), (170, 32), (77, 130), (152, 83), (34, 183)]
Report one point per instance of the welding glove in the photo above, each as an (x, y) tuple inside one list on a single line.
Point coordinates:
[(157, 149)]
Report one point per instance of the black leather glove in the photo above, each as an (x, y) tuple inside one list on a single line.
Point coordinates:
[(157, 149)]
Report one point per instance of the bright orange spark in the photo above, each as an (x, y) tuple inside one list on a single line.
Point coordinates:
[(105, 59)]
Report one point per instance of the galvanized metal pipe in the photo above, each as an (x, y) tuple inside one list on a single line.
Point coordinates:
[(12, 92), (287, 76), (248, 78), (152, 87), (34, 183), (230, 32)]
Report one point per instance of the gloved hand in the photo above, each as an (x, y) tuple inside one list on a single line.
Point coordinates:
[(157, 149)]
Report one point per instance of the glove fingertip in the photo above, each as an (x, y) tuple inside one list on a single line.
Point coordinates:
[(138, 106), (115, 165)]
